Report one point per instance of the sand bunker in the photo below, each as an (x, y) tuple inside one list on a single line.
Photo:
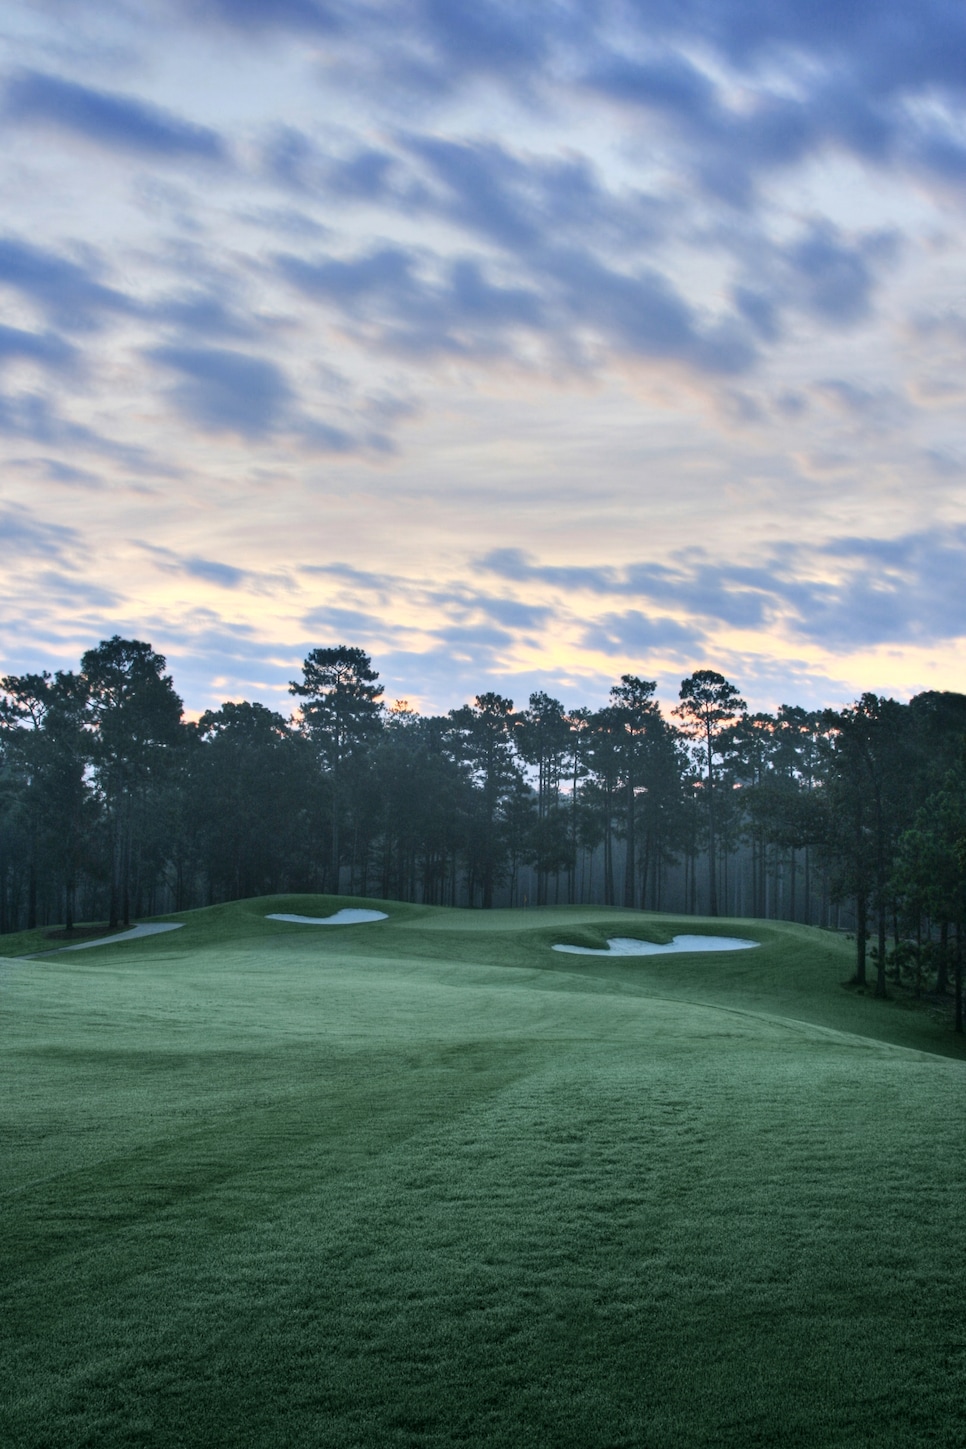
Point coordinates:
[(627, 946), (345, 917), (131, 935)]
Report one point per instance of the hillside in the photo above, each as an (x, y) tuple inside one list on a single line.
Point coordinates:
[(428, 1182)]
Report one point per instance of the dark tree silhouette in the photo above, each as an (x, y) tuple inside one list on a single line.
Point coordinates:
[(930, 870), (43, 721), (870, 785), (252, 786), (109, 803), (635, 723), (708, 704), (542, 737), (341, 714), (482, 736), (136, 718)]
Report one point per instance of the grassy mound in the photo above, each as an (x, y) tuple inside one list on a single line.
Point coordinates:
[(426, 1182)]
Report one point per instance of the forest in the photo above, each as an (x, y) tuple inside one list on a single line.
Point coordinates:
[(113, 806)]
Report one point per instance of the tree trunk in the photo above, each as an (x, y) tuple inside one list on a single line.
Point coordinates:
[(32, 897), (942, 972), (712, 843), (114, 909), (880, 965), (808, 887), (861, 927), (792, 872), (630, 864)]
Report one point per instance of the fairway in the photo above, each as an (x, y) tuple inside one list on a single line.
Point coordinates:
[(425, 1181)]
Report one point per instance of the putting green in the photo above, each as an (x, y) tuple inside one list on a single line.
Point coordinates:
[(432, 1183)]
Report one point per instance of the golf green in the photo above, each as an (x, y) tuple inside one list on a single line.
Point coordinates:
[(426, 1182)]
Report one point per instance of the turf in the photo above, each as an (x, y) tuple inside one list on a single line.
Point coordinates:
[(427, 1182)]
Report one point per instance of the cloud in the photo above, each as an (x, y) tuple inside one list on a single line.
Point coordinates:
[(474, 204), (204, 313), (740, 598), (519, 201), (25, 534), (284, 221), (885, 45), (223, 390), (361, 578), (427, 44), (484, 189), (944, 156), (760, 310), (291, 158), (729, 149), (227, 391), (437, 46), (435, 609), (518, 566), (634, 633), (487, 190), (32, 416), (46, 348), (348, 624), (327, 438), (457, 310), (254, 582), (54, 470), (835, 278), (385, 272), (116, 122), (668, 83), (825, 273), (803, 82), (570, 269), (881, 406), (256, 17), (910, 589), (511, 613), (210, 572), (468, 608), (643, 314), (67, 291), (75, 593), (476, 643), (845, 595), (488, 36)]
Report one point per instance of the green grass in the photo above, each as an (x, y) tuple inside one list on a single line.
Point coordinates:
[(427, 1182)]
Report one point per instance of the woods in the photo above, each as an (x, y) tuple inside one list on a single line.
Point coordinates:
[(112, 806)]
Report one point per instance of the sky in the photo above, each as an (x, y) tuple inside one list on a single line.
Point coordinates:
[(522, 346)]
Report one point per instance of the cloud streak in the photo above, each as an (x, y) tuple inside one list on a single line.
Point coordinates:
[(108, 119), (906, 590)]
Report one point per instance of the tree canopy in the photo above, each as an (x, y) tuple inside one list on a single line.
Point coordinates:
[(112, 805)]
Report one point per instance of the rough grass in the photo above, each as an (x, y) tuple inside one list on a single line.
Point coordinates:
[(426, 1183)]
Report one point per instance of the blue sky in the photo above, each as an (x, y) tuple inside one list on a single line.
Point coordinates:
[(522, 346)]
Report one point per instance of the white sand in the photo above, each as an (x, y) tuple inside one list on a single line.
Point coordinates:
[(345, 917), (131, 935), (627, 946)]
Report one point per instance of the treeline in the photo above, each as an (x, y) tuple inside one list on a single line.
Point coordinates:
[(112, 806)]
